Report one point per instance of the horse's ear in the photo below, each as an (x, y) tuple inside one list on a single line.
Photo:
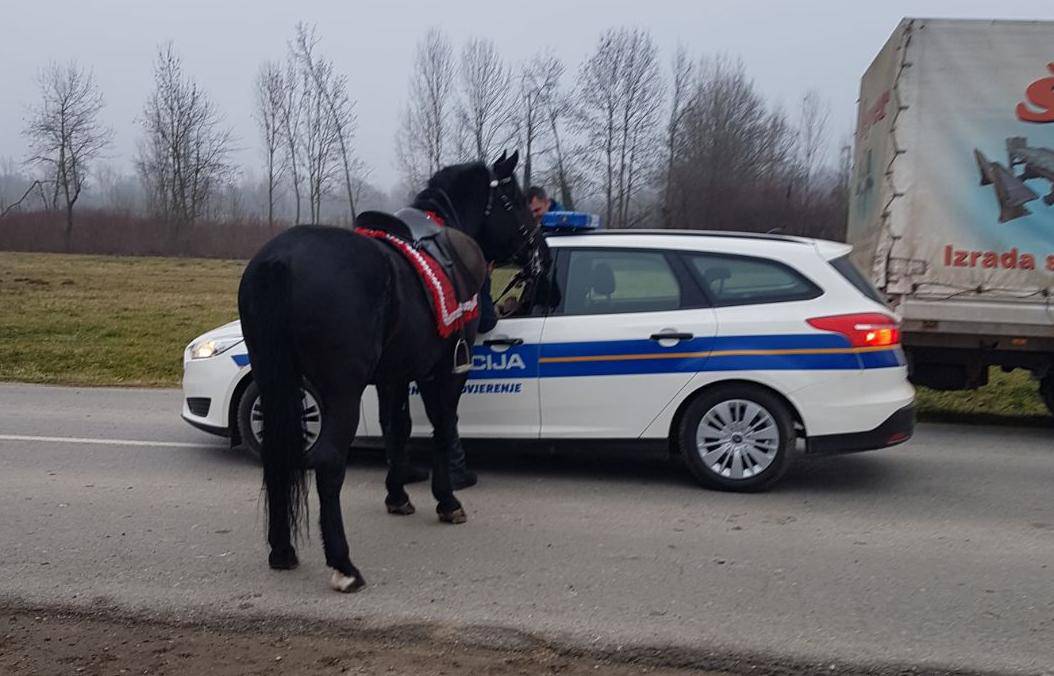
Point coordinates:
[(505, 165)]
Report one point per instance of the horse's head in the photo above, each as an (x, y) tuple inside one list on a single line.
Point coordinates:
[(508, 232), (487, 204)]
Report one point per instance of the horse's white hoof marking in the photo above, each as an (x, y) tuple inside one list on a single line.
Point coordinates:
[(343, 583)]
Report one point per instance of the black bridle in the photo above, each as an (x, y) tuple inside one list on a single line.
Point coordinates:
[(528, 233)]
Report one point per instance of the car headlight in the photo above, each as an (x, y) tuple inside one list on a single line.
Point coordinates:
[(210, 347)]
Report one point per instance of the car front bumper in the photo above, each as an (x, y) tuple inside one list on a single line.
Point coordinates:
[(215, 379)]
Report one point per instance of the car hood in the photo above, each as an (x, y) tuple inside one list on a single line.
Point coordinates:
[(230, 329)]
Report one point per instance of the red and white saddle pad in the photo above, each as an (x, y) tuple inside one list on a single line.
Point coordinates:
[(451, 315)]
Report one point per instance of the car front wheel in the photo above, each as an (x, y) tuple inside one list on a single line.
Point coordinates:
[(737, 438), (250, 419)]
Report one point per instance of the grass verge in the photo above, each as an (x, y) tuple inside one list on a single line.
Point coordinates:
[(102, 320)]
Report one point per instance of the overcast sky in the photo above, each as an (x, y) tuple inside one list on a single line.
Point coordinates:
[(788, 47)]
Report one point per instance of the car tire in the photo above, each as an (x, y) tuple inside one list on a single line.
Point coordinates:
[(737, 437), (249, 418), (1046, 390)]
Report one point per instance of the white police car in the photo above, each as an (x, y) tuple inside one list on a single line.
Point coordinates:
[(727, 346)]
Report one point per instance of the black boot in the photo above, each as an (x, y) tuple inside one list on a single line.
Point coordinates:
[(461, 477)]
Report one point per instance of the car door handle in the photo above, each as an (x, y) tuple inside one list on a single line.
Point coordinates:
[(672, 336), (508, 342)]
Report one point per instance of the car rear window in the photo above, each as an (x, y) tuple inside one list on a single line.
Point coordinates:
[(742, 280), (845, 267)]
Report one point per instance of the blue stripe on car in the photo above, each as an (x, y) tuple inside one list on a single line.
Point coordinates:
[(796, 352)]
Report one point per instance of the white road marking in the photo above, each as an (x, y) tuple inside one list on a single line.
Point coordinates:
[(105, 442)]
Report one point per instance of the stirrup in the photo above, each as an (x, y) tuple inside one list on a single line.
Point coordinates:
[(462, 357)]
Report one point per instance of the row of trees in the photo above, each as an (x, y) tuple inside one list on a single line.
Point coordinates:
[(691, 144), (688, 143), (183, 161)]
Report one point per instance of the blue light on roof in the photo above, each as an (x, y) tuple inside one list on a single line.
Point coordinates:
[(569, 221)]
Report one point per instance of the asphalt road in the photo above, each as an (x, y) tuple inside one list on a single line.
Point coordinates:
[(939, 553)]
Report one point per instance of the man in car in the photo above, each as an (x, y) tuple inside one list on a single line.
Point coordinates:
[(540, 202)]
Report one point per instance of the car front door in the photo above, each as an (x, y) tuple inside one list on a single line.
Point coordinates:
[(630, 331), (500, 399)]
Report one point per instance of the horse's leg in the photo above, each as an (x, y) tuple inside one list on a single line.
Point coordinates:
[(393, 400), (329, 459), (283, 554), (440, 395)]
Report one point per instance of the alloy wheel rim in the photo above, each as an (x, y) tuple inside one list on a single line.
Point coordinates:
[(312, 420), (737, 439)]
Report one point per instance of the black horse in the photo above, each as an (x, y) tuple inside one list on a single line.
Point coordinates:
[(334, 310)]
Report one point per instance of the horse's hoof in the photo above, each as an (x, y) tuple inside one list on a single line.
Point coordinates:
[(346, 584), (283, 560), (456, 516), (405, 509)]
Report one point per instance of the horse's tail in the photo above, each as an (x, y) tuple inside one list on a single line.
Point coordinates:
[(264, 303)]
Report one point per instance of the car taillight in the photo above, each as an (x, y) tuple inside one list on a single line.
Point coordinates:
[(870, 329)]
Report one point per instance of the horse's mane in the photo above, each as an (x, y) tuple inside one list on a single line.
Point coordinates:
[(444, 186), (447, 176)]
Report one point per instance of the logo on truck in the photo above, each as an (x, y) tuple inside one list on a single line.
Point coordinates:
[(1040, 106)]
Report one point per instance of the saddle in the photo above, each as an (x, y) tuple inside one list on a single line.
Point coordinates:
[(448, 262)]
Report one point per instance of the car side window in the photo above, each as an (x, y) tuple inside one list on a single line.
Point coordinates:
[(742, 280), (611, 281)]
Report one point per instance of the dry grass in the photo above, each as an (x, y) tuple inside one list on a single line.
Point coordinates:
[(100, 320)]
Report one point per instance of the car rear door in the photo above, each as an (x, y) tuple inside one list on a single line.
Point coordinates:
[(629, 333)]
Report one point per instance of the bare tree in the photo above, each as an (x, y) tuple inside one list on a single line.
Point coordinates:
[(681, 101), (812, 139), (485, 110), (65, 134), (539, 88), (320, 150), (620, 95), (331, 90), (184, 155), (270, 100), (35, 185), (738, 163), (422, 140), (556, 110), (293, 106)]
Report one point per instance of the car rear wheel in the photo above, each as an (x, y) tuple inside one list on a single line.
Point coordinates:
[(737, 438), (250, 419)]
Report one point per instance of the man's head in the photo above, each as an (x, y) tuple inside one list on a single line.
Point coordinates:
[(538, 201)]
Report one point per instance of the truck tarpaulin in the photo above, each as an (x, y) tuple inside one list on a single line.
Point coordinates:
[(953, 181)]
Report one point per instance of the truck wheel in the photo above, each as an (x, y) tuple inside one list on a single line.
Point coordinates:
[(250, 419), (737, 438), (1046, 390)]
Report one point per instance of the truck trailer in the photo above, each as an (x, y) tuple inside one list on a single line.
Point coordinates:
[(952, 197)]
